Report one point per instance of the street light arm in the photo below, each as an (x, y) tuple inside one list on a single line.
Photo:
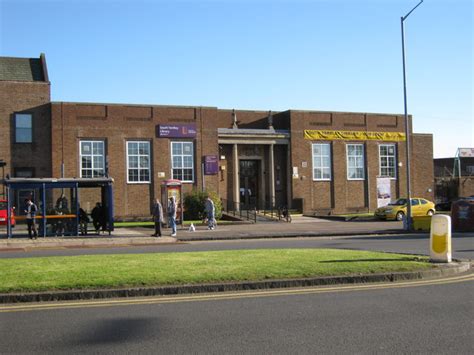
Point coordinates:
[(408, 14)]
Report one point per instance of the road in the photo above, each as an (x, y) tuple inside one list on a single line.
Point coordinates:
[(422, 317), (462, 245)]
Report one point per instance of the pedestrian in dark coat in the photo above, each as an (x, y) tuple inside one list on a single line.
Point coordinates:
[(157, 214)]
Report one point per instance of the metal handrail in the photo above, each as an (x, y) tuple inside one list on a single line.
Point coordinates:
[(238, 209)]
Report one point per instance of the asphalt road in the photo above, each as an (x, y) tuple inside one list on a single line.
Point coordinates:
[(416, 318), (462, 245)]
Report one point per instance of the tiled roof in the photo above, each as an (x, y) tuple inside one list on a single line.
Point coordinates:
[(21, 69)]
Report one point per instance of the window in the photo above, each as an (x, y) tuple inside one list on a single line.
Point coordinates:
[(387, 161), (23, 128), (355, 162), (92, 159), (182, 161), (24, 172), (321, 161), (138, 162)]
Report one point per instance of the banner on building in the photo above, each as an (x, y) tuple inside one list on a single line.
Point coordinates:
[(384, 195), (211, 165), (329, 135), (176, 131)]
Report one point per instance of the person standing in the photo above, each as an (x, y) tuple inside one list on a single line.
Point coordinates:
[(157, 214), (30, 211), (210, 210), (96, 215), (172, 215)]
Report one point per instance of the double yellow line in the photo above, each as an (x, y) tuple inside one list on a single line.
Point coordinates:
[(230, 295)]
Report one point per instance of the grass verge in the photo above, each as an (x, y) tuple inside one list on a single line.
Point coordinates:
[(109, 271)]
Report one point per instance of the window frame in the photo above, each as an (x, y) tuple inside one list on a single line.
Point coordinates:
[(395, 171), (182, 155), (92, 141), (321, 157), (30, 128), (348, 168), (138, 155)]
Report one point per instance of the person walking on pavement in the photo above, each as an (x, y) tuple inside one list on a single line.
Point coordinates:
[(172, 215), (157, 214), (210, 211), (30, 211)]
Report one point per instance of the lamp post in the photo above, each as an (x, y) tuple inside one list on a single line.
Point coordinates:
[(407, 130)]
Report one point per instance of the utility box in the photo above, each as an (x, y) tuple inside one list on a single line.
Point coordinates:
[(440, 239), (462, 213)]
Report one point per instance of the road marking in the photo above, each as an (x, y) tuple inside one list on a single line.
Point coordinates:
[(230, 296)]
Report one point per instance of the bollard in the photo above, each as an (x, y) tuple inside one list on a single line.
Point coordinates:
[(440, 239)]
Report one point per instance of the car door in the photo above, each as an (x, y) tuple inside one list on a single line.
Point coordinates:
[(415, 207)]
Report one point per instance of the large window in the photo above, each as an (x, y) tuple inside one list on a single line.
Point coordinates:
[(387, 160), (182, 161), (23, 128), (355, 162), (138, 162), (92, 159), (321, 161)]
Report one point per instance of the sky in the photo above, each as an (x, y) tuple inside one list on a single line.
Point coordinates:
[(328, 55)]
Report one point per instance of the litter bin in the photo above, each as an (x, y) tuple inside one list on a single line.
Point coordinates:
[(462, 214)]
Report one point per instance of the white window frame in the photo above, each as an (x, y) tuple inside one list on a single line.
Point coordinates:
[(359, 162), (91, 155), (395, 172), (29, 129), (320, 158), (181, 158), (140, 169)]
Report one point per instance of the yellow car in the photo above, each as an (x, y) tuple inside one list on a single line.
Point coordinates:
[(398, 209)]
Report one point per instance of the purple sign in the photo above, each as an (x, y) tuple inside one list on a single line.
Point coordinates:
[(176, 131), (211, 165)]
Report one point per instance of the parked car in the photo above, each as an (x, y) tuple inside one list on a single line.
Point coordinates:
[(398, 209), (4, 215)]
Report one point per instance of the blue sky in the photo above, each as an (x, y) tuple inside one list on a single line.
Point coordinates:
[(339, 55)]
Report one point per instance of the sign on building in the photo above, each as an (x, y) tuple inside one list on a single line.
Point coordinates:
[(176, 131), (383, 191)]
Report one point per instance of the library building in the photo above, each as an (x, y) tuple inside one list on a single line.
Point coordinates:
[(323, 163)]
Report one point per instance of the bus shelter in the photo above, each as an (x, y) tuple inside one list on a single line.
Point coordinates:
[(60, 204)]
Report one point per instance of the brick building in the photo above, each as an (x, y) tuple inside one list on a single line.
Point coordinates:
[(327, 162)]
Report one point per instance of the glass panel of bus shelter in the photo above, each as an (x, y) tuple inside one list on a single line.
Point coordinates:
[(61, 212)]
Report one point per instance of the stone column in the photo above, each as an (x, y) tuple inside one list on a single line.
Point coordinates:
[(236, 182), (271, 175)]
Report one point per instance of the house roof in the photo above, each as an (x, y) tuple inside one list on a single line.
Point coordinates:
[(23, 69)]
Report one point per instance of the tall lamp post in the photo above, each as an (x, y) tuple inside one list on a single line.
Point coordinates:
[(407, 130)]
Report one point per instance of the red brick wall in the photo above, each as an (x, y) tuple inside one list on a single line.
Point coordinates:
[(25, 97)]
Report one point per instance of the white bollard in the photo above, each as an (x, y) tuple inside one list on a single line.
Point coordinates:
[(440, 239)]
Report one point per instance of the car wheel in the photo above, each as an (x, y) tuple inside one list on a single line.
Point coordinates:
[(430, 213), (400, 216)]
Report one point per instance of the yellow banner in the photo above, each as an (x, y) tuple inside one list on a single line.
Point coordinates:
[(353, 135)]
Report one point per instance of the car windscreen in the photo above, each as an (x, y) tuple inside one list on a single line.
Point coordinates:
[(3, 205)]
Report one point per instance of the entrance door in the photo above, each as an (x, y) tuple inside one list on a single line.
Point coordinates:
[(249, 174)]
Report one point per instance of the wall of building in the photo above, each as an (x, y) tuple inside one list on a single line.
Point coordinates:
[(25, 97), (340, 195)]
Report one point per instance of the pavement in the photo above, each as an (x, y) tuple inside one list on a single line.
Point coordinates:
[(300, 227)]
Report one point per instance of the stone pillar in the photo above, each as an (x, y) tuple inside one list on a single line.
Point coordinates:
[(236, 182), (271, 175)]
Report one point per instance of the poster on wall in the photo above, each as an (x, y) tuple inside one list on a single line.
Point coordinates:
[(211, 165), (383, 191)]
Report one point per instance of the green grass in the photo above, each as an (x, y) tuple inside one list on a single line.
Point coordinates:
[(109, 271)]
